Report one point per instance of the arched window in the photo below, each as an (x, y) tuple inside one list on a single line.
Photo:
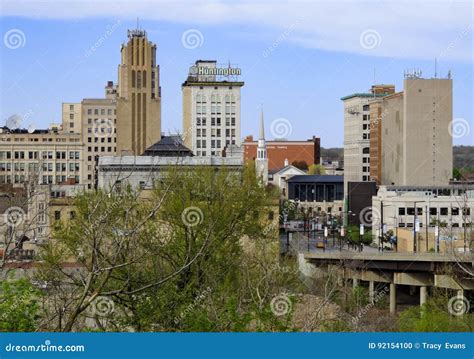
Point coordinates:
[(133, 78), (366, 150)]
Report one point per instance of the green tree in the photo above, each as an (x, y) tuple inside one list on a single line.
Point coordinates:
[(19, 308), (197, 253), (434, 316), (316, 170)]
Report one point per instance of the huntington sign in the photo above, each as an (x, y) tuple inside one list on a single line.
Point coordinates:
[(214, 71)]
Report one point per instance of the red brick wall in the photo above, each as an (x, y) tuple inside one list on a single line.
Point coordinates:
[(277, 151)]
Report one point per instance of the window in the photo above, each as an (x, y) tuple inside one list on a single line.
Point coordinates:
[(444, 211), (365, 108), (57, 215), (455, 211), (433, 211), (401, 211)]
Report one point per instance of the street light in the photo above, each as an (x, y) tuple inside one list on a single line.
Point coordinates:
[(415, 245)]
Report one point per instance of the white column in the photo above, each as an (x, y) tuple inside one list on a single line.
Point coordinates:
[(393, 298), (371, 292), (423, 295)]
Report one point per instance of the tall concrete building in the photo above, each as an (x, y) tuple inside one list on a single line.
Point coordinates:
[(138, 96), (411, 144), (211, 108), (357, 133)]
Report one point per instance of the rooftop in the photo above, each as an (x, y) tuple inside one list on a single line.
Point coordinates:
[(168, 146), (317, 178), (364, 94), (120, 161)]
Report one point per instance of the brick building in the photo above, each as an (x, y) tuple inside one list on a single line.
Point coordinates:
[(277, 151)]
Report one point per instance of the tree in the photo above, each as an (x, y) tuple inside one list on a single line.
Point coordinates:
[(19, 307), (315, 169), (433, 316), (175, 259)]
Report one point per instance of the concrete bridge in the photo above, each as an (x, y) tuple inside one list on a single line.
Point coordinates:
[(422, 270)]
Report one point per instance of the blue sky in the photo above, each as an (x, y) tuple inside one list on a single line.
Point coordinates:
[(297, 58)]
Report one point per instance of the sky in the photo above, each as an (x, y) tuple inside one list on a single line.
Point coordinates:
[(298, 58)]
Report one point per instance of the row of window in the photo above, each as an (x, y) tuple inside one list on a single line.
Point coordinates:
[(36, 139), (102, 139), (46, 179), (34, 167), (216, 110), (102, 149), (34, 155), (215, 121), (434, 211), (102, 111), (216, 98), (215, 132)]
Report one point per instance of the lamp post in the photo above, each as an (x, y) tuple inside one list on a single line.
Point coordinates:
[(415, 246), (325, 238)]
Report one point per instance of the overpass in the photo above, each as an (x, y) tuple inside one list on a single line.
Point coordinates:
[(453, 271)]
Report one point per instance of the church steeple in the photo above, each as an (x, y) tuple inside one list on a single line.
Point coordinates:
[(261, 163)]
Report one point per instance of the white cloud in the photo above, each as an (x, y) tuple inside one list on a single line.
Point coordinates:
[(407, 29)]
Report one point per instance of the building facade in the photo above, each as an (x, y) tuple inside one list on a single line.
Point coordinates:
[(411, 142), (141, 172), (319, 193), (446, 212), (280, 152), (211, 108), (48, 156), (138, 96), (357, 133)]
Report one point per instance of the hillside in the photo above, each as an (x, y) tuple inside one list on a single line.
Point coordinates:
[(463, 156)]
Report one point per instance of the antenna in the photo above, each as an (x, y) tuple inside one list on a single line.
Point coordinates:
[(138, 23), (436, 68)]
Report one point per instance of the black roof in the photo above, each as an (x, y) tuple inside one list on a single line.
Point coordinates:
[(317, 178), (168, 146)]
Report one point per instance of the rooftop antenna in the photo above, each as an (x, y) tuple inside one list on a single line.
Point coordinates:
[(138, 23), (436, 68)]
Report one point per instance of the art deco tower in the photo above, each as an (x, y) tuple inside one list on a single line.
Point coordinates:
[(139, 96)]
